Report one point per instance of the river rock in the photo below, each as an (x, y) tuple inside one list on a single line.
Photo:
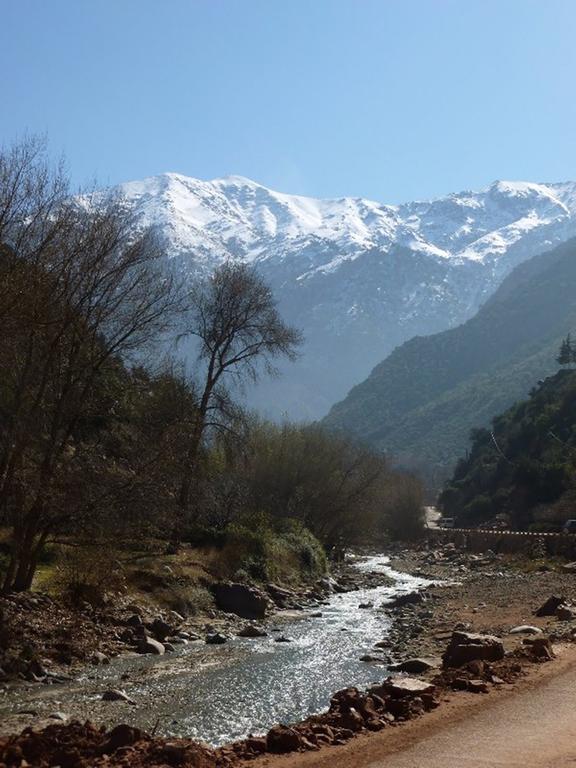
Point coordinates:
[(98, 658), (115, 694), (565, 613), (412, 666), (216, 638), (550, 607), (281, 739), (282, 639), (121, 736), (541, 647), (256, 744), (400, 687), (161, 629), (149, 645), (409, 598), (282, 597), (477, 686), (466, 646), (252, 630), (526, 629), (243, 600), (366, 605)]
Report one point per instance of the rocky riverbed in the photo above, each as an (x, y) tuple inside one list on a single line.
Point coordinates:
[(462, 623), (216, 685)]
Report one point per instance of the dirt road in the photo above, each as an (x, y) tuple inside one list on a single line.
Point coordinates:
[(531, 727)]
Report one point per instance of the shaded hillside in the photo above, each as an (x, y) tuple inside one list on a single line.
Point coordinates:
[(421, 402), (523, 466)]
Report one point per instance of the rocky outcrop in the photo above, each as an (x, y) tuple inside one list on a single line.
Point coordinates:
[(242, 599)]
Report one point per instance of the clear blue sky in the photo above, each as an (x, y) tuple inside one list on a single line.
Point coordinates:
[(388, 99)]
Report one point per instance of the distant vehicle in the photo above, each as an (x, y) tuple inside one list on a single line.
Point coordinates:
[(448, 522), (569, 526)]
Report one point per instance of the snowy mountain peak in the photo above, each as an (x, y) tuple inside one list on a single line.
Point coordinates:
[(236, 217), (359, 277)]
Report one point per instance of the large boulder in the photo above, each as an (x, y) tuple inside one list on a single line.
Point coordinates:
[(241, 599), (465, 647)]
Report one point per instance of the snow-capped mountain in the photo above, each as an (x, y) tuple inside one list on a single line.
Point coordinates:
[(357, 276)]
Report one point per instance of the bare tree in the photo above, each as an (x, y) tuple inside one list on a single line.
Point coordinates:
[(78, 291), (234, 317)]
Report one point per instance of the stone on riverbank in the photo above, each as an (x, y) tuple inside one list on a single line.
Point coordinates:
[(114, 694), (466, 646), (550, 607), (215, 638), (149, 645), (526, 629), (252, 630), (412, 666), (410, 598), (401, 687), (161, 629), (245, 601), (281, 739), (565, 613)]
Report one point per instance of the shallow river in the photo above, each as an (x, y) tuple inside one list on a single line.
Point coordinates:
[(221, 693)]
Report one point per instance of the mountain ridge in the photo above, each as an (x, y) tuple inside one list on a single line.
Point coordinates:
[(359, 277)]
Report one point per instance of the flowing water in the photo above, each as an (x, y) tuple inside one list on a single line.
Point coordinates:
[(221, 693)]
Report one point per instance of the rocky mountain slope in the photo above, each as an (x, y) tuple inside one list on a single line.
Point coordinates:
[(422, 401), (357, 276)]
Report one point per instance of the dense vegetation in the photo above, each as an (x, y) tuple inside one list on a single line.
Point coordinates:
[(422, 401), (522, 470), (104, 438)]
